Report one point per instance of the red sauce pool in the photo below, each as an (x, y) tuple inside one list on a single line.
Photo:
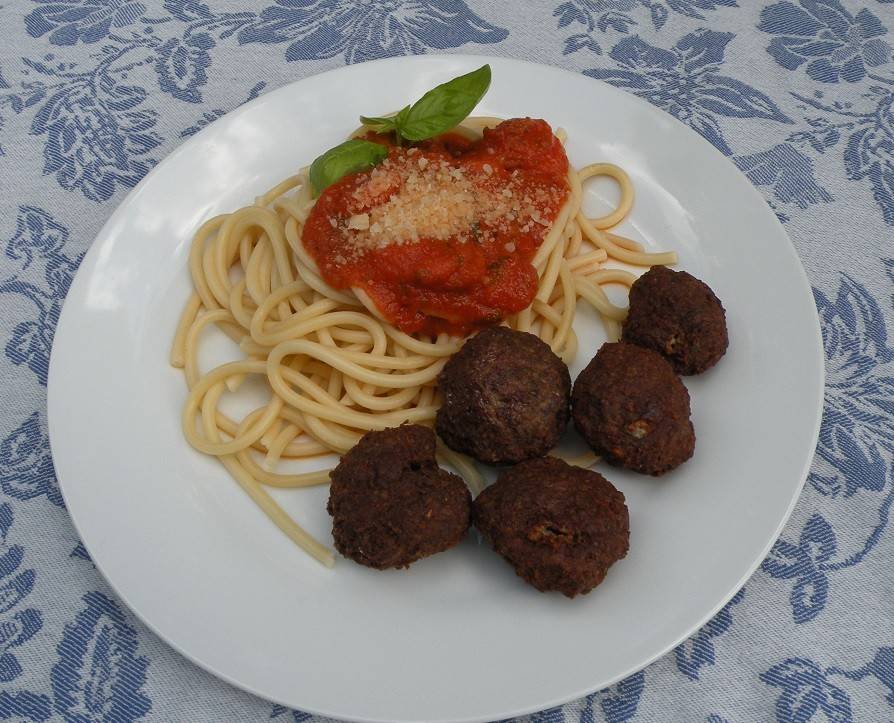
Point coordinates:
[(462, 282)]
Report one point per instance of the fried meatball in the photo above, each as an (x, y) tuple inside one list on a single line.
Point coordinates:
[(633, 410), (678, 316), (561, 527), (506, 397), (390, 502)]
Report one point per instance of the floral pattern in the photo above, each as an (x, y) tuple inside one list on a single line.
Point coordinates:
[(26, 467), (616, 704), (798, 93), (181, 66), (17, 624), (97, 137), (699, 649), (43, 274), (834, 44), (855, 445), (593, 17), (620, 702), (99, 133), (788, 173), (72, 21), (18, 627), (99, 676), (318, 29), (837, 46), (857, 427), (806, 690), (685, 82), (804, 562)]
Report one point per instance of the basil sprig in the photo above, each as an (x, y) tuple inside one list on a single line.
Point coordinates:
[(348, 157), (386, 124), (439, 110), (436, 112)]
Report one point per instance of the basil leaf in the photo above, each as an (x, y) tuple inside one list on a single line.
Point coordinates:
[(379, 125), (385, 124), (401, 117), (348, 157), (444, 107)]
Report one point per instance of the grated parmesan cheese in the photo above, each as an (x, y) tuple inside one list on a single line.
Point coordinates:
[(409, 197), (359, 221)]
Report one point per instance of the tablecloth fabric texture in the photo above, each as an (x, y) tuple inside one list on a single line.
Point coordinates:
[(798, 93)]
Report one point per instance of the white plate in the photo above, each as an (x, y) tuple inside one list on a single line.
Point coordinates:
[(458, 637)]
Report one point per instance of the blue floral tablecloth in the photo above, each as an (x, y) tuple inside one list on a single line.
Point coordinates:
[(799, 95)]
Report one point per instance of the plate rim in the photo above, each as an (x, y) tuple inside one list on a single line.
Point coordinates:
[(197, 138)]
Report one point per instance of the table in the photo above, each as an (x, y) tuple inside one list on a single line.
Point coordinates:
[(798, 93)]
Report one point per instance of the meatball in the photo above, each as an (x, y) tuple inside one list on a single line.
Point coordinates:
[(678, 316), (633, 410), (506, 397), (390, 502), (561, 527)]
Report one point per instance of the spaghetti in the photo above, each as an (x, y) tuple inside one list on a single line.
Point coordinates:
[(335, 368)]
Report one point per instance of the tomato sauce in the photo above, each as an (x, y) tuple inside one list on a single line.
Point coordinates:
[(441, 235)]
